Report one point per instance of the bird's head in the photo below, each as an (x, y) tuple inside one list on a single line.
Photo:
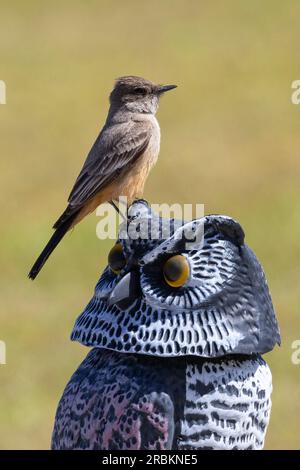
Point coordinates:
[(136, 94)]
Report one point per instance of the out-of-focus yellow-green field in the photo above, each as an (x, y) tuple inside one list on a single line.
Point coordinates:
[(230, 140)]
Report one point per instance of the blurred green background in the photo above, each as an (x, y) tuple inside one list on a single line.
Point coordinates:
[(230, 140)]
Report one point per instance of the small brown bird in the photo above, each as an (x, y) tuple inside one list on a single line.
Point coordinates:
[(120, 159)]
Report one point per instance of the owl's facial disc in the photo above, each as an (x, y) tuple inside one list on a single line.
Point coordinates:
[(174, 272)]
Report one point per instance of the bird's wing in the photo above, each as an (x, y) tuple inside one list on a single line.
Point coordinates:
[(116, 149)]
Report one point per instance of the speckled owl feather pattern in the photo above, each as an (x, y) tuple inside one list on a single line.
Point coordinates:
[(173, 368), (225, 307), (125, 401)]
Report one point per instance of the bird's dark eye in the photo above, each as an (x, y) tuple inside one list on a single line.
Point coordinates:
[(140, 91), (176, 271), (116, 258)]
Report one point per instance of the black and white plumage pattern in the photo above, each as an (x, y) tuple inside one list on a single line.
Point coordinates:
[(125, 401), (174, 368)]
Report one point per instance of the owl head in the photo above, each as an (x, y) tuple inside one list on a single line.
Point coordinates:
[(175, 288)]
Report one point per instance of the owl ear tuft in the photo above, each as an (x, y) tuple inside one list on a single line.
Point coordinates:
[(230, 228)]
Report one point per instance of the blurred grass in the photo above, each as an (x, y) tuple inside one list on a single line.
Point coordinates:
[(230, 139)]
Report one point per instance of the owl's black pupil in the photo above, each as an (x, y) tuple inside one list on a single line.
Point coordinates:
[(116, 259), (173, 270)]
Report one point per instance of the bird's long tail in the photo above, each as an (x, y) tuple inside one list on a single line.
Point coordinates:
[(51, 245)]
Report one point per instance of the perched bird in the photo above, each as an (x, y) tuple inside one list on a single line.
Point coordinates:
[(177, 330), (120, 159)]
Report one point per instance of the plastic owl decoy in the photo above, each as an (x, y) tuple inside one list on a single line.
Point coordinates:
[(177, 325)]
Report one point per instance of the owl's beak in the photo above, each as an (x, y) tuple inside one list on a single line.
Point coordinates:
[(126, 291)]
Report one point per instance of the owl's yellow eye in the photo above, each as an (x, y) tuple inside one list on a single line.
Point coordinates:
[(176, 271), (116, 258)]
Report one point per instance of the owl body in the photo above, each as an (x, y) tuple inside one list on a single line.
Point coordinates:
[(176, 360), (126, 401)]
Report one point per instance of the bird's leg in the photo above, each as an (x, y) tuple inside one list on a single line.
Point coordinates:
[(114, 206), (117, 209)]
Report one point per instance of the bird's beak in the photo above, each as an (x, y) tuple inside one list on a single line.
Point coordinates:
[(126, 291), (164, 88)]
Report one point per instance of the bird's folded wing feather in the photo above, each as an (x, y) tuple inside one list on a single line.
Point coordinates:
[(116, 149)]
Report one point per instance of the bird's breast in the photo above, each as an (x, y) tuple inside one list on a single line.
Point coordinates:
[(133, 180), (154, 143)]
